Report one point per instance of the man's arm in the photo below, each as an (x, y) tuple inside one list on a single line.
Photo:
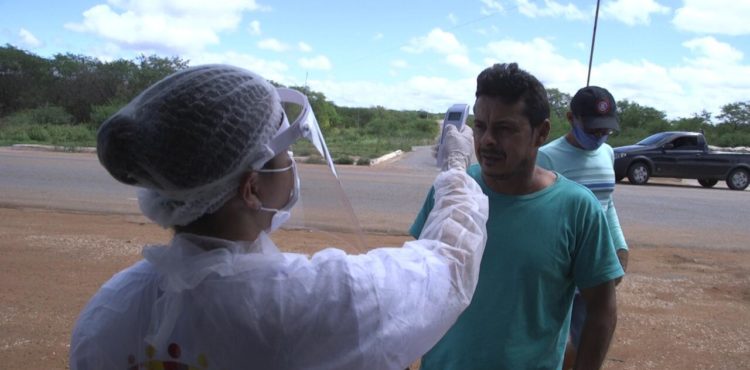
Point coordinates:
[(615, 230), (622, 255), (601, 319)]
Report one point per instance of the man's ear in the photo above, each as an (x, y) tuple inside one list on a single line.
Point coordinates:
[(249, 190), (569, 116), (542, 133)]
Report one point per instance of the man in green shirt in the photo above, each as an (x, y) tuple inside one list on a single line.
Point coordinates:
[(546, 235)]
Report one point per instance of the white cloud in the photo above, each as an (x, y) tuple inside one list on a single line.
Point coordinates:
[(491, 7), (633, 12), (681, 90), (304, 47), (433, 94), (107, 52), (269, 69), (716, 75), (463, 63), (551, 8), (438, 41), (726, 17), (452, 18), (540, 58), (320, 62), (644, 82), (273, 45), (693, 85), (443, 43), (399, 63), (254, 28), (378, 36), (712, 52), (28, 39), (171, 25), (492, 30)]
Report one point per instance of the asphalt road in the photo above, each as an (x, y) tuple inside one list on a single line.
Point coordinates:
[(385, 198)]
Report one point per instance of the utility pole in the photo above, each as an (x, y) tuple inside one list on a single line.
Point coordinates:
[(593, 41)]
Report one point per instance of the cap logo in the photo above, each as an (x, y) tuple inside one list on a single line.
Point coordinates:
[(602, 107)]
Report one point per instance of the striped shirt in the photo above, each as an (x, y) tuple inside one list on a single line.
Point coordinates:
[(590, 168)]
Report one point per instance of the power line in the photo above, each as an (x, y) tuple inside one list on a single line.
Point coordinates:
[(593, 41)]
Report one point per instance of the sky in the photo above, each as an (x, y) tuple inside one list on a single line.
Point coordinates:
[(680, 57)]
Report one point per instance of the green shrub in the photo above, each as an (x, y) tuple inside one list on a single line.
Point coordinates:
[(363, 161), (100, 113), (75, 135), (14, 135), (315, 159), (729, 140), (51, 115), (344, 160), (303, 148), (38, 133), (47, 115), (17, 119), (61, 135)]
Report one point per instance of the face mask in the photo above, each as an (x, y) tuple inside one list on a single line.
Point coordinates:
[(587, 141), (282, 215)]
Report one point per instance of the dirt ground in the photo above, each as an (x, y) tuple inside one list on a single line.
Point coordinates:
[(678, 308)]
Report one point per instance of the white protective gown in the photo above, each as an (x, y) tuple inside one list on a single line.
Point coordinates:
[(249, 306)]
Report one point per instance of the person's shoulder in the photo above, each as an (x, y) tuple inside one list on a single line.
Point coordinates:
[(553, 145), (120, 291), (141, 270), (570, 189)]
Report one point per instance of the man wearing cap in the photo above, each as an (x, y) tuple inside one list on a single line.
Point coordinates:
[(583, 156)]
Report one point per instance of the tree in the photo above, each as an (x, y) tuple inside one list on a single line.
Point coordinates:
[(153, 68), (117, 79), (75, 84), (698, 122), (324, 110), (735, 115), (635, 116), (23, 80), (559, 102)]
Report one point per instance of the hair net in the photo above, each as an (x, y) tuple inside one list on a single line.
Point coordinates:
[(187, 139)]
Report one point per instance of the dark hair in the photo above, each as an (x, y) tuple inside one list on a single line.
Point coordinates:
[(510, 83)]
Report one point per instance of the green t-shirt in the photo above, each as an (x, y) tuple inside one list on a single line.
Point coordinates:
[(540, 246)]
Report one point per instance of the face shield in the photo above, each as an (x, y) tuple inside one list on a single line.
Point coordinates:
[(323, 216)]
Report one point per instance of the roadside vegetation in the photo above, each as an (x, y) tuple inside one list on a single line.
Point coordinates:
[(62, 100)]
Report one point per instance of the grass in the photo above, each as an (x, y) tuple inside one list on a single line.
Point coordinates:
[(345, 147), (57, 135)]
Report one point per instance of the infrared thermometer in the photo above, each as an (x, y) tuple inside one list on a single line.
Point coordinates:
[(456, 115)]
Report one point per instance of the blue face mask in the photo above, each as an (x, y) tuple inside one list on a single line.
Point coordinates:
[(588, 141)]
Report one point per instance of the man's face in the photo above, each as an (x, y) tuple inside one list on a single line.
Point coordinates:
[(504, 141)]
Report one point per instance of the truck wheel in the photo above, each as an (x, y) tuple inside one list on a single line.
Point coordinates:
[(638, 173), (738, 179), (707, 183)]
